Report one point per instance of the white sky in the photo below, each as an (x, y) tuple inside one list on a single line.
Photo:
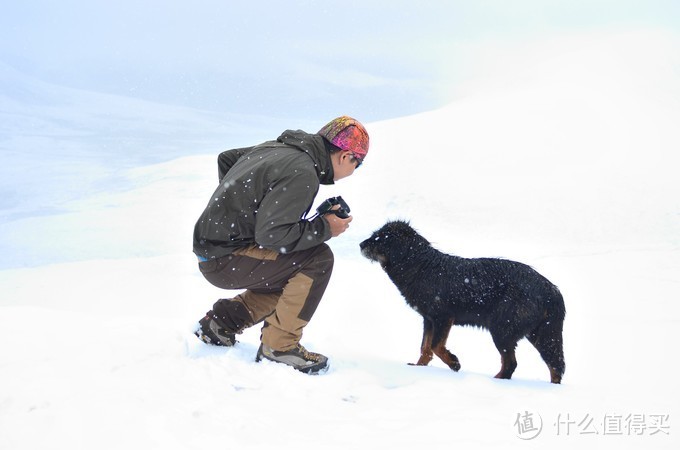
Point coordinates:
[(301, 59)]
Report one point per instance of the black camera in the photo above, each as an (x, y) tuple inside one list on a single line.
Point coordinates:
[(327, 205)]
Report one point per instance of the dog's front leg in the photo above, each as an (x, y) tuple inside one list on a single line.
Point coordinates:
[(440, 335), (426, 345)]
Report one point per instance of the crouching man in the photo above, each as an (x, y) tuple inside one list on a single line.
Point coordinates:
[(253, 235)]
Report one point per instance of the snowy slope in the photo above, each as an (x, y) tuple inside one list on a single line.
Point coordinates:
[(59, 144), (567, 167)]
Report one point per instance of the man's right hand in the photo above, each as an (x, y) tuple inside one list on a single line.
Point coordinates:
[(338, 225)]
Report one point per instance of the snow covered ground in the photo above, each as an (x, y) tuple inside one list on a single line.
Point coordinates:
[(570, 166)]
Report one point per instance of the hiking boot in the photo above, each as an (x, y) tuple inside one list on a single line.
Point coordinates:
[(211, 333), (298, 358)]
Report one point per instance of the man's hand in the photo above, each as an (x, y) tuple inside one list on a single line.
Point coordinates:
[(338, 225)]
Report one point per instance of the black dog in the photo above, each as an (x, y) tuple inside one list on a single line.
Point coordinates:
[(508, 298)]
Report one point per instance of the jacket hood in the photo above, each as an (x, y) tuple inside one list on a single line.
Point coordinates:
[(314, 146)]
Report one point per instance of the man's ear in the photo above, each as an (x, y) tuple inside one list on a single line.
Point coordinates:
[(337, 157)]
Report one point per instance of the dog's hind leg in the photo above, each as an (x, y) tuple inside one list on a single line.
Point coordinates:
[(440, 335), (547, 338), (426, 345)]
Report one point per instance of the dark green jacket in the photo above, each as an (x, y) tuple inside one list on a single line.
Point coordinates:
[(264, 194)]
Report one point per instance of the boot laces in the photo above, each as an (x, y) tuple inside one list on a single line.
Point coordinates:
[(307, 354)]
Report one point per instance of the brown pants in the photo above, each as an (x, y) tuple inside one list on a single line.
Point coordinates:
[(284, 290)]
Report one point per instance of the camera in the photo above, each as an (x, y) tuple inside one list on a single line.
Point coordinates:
[(328, 204)]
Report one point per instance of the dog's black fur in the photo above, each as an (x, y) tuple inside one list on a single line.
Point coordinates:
[(508, 298)]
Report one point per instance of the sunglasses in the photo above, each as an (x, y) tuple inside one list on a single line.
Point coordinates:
[(358, 159)]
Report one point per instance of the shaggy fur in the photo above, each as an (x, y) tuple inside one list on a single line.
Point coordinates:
[(508, 298)]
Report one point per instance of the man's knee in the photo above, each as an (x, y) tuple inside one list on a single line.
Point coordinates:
[(320, 265), (325, 256)]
